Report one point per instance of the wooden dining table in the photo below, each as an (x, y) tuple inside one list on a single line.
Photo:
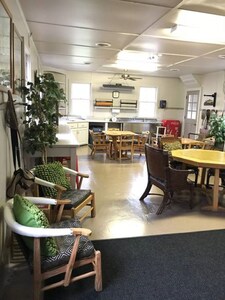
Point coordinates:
[(204, 159), (189, 143), (114, 134)]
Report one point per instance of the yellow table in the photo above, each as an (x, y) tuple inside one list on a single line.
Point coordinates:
[(205, 159), (114, 134)]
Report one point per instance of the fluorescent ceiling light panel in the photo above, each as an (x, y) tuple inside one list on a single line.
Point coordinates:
[(132, 55), (199, 27), (138, 61), (126, 65)]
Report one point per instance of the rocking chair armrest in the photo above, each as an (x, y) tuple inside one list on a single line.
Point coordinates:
[(38, 200), (46, 183), (60, 188), (178, 177), (35, 231), (63, 202), (81, 231), (178, 172), (75, 173), (31, 231)]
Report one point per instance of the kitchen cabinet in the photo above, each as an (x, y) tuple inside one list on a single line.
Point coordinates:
[(80, 131)]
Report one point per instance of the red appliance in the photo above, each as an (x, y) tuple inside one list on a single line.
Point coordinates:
[(172, 127)]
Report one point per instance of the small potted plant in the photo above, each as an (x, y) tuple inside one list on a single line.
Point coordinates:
[(217, 130), (41, 116)]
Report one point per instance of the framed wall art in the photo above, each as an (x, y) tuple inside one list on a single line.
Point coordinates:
[(18, 62)]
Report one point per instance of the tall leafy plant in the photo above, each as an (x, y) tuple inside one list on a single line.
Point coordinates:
[(217, 129), (41, 116)]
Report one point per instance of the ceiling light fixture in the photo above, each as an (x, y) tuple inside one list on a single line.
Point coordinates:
[(174, 70), (103, 44)]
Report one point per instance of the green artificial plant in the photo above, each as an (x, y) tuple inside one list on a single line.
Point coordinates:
[(41, 116), (217, 130)]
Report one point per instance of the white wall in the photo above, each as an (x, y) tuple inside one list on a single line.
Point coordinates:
[(6, 165), (212, 83), (170, 89)]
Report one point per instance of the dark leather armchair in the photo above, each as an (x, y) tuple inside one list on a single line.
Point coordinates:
[(164, 177), (172, 143)]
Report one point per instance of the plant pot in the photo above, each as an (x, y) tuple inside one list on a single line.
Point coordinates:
[(219, 146)]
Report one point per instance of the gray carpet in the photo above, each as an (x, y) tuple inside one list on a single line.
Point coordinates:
[(168, 267)]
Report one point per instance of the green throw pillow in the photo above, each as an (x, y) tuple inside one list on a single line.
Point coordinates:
[(55, 173), (172, 146), (28, 214)]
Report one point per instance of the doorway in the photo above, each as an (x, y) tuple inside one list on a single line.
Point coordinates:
[(191, 112)]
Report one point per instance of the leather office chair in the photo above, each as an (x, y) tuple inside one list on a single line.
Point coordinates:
[(168, 179)]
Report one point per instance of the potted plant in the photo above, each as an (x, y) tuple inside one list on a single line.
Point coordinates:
[(217, 130), (41, 116)]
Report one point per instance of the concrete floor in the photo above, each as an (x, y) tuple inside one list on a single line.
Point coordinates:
[(118, 187)]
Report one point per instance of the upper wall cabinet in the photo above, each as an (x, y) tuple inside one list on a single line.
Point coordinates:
[(5, 48)]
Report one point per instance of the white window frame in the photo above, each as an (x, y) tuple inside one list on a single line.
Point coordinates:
[(81, 102), (148, 105)]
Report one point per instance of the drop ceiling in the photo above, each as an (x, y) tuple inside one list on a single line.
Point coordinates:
[(66, 33)]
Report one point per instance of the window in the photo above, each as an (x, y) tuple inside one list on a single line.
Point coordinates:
[(80, 99), (192, 106), (147, 102)]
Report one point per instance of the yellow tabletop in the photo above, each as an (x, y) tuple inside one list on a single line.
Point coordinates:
[(205, 159), (200, 157), (119, 132)]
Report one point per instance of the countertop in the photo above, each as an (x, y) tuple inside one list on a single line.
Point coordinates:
[(69, 120)]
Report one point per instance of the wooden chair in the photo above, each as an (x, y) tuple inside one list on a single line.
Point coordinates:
[(51, 181), (205, 142), (168, 139), (125, 145), (164, 177), (139, 143), (160, 131), (74, 250), (100, 143)]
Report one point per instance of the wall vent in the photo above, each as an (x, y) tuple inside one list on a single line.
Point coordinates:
[(190, 81)]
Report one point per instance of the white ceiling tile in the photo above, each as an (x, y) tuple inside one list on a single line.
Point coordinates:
[(65, 33)]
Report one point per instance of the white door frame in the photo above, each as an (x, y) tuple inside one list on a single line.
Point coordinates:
[(198, 109)]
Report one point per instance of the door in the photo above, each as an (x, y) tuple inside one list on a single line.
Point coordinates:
[(191, 112)]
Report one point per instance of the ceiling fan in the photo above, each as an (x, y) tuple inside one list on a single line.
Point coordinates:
[(126, 76)]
